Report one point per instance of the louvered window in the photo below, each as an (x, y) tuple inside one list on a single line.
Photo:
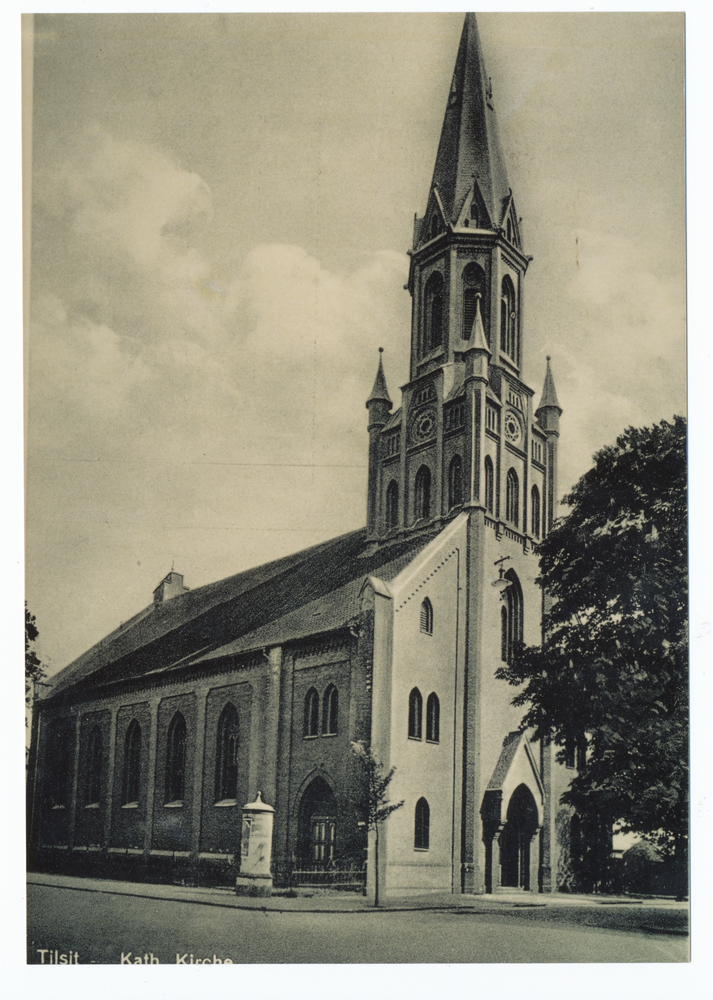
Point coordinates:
[(415, 714), (427, 617)]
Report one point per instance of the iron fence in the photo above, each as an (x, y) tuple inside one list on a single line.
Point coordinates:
[(345, 875)]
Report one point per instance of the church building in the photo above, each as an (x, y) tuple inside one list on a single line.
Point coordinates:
[(145, 748)]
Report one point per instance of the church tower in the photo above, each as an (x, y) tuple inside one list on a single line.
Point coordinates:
[(465, 435), (468, 463)]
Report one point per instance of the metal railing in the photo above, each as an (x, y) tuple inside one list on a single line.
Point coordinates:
[(335, 874)]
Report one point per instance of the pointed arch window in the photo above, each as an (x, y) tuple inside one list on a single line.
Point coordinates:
[(427, 617), (511, 618), (422, 494), (176, 759), (311, 727), (132, 764), (508, 320), (455, 482), (504, 634), (512, 498), (226, 754), (433, 718), (433, 313), (60, 764), (536, 517), (422, 832), (94, 767), (489, 486), (330, 711), (473, 283), (392, 504), (415, 714)]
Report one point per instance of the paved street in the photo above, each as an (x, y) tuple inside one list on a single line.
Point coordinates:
[(100, 927)]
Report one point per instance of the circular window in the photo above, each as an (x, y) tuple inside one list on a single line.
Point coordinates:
[(424, 425), (513, 430)]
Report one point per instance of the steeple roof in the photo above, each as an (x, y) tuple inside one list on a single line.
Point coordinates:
[(470, 144), (380, 391), (549, 395), (477, 341)]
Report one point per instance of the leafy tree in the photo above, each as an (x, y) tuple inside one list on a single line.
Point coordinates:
[(34, 670), (612, 672), (373, 801)]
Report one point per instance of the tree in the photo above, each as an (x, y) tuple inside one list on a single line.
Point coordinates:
[(373, 802), (34, 670), (612, 672)]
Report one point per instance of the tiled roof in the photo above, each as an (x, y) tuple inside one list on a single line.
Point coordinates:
[(457, 390), (304, 594), (393, 421)]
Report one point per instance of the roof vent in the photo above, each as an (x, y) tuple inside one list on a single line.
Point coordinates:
[(170, 586)]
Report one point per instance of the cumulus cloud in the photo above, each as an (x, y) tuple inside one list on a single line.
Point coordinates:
[(145, 340), (620, 357)]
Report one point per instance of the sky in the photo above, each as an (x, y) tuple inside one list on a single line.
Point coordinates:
[(221, 208)]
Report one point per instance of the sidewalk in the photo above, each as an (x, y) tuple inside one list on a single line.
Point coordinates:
[(623, 912)]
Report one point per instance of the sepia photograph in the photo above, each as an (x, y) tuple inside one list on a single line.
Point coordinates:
[(356, 499)]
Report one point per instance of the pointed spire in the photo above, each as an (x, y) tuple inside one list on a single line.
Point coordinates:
[(549, 395), (470, 144), (477, 341), (380, 392)]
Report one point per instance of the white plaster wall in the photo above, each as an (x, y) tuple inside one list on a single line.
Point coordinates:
[(430, 663)]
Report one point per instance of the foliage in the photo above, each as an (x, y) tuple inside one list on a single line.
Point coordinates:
[(34, 670), (612, 673), (373, 801), (375, 780)]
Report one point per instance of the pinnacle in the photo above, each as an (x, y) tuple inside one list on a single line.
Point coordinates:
[(477, 341), (549, 395), (380, 391)]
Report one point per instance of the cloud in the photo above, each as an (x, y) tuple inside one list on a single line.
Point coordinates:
[(145, 349), (620, 358)]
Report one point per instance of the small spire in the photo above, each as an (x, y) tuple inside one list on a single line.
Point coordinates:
[(477, 341), (549, 395), (380, 391)]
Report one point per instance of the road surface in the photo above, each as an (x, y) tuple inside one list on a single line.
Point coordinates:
[(105, 928)]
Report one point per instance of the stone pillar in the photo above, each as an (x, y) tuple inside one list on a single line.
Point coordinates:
[(111, 769), (548, 845), (151, 777), (472, 860), (75, 783), (198, 769), (33, 790), (271, 723), (534, 853), (497, 868)]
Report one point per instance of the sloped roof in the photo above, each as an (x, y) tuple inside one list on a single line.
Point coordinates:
[(470, 142), (307, 593), (457, 390), (393, 421)]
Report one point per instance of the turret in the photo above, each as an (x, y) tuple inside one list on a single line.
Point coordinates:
[(549, 411), (548, 415), (477, 354), (378, 404)]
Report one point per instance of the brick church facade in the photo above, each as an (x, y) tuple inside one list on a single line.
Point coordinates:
[(145, 748)]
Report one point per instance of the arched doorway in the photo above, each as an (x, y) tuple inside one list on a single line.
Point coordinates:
[(516, 837), (317, 824)]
